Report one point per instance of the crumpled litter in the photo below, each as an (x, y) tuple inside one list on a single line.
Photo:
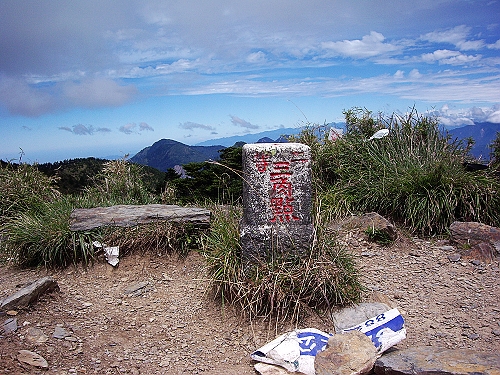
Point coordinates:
[(110, 252), (296, 350)]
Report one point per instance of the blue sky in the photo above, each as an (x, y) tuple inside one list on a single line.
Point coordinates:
[(108, 77)]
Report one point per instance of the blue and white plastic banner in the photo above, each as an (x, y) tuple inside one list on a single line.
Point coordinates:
[(296, 350)]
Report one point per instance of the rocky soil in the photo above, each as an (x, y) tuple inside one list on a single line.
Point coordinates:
[(153, 314)]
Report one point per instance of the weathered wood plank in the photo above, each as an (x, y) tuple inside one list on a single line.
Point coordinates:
[(130, 215)]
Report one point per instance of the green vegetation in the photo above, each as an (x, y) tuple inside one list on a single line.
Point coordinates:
[(415, 176), (23, 188), (379, 236), (216, 181), (285, 288)]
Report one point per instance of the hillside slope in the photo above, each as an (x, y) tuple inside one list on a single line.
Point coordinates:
[(167, 153)]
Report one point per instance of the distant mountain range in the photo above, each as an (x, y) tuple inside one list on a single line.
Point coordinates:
[(251, 138), (483, 133), (167, 153)]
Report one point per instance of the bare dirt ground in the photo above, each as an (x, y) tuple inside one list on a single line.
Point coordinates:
[(175, 327)]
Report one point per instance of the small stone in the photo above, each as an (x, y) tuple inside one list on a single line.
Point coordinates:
[(12, 312), (454, 257), (60, 333), (496, 332), (36, 335), (10, 325), (447, 248), (476, 262), (352, 353), (32, 359), (473, 336)]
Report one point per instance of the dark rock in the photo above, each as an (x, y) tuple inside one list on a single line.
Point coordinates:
[(351, 353), (60, 333), (29, 294), (131, 215), (477, 241), (10, 325), (454, 257), (436, 361)]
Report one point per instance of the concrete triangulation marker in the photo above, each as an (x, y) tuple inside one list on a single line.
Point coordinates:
[(277, 200)]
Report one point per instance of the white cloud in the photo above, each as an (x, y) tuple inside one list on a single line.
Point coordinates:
[(128, 128), (81, 129), (494, 117), (456, 36), (235, 120), (256, 57), (414, 74), (495, 45), (399, 74), (99, 92), (193, 125), (451, 115), (369, 46), (19, 98), (446, 56), (145, 126)]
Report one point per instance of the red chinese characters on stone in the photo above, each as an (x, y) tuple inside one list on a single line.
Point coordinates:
[(281, 194), (262, 161)]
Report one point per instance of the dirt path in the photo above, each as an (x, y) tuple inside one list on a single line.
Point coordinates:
[(174, 326)]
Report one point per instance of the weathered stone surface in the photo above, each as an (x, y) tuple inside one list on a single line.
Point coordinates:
[(10, 325), (130, 215), (277, 200), (431, 360), (29, 293), (36, 336), (350, 316), (137, 289), (60, 333), (32, 359), (476, 240), (267, 369), (351, 353), (369, 220)]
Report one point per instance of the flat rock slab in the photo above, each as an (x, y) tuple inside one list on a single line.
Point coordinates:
[(131, 215), (29, 294), (32, 359), (431, 360)]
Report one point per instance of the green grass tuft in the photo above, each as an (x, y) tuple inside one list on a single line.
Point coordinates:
[(285, 288)]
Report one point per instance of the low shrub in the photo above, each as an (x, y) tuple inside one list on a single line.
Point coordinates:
[(24, 188), (282, 288), (415, 175), (42, 237)]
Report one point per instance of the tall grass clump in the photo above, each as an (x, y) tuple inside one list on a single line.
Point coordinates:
[(415, 175), (279, 287), (39, 233), (24, 188), (42, 237), (119, 182)]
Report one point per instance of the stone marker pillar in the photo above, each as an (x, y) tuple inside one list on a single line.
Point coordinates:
[(277, 200)]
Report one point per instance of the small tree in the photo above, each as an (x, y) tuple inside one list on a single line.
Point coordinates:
[(495, 152)]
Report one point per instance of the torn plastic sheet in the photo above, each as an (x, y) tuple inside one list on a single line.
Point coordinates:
[(110, 252), (385, 330), (296, 350)]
